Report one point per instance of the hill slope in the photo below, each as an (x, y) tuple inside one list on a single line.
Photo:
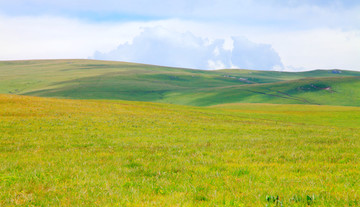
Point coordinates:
[(317, 91), (58, 152), (90, 79)]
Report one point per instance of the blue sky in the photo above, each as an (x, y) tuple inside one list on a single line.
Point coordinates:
[(290, 35)]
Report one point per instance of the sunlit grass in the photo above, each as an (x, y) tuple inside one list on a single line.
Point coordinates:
[(66, 152)]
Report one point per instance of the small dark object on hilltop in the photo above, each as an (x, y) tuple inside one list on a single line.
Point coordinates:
[(336, 71)]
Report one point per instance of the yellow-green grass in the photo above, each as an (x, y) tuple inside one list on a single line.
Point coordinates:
[(56, 152)]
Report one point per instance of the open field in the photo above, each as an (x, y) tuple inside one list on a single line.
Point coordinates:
[(61, 152), (92, 79)]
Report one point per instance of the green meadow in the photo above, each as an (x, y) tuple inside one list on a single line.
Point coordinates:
[(93, 79), (61, 152)]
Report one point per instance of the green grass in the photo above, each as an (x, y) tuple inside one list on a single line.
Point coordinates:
[(57, 152), (91, 79), (315, 91)]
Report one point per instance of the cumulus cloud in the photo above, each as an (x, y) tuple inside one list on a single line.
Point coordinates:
[(247, 54), (46, 37), (160, 46), (163, 47)]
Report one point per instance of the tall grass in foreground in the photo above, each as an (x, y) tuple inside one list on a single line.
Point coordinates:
[(67, 152)]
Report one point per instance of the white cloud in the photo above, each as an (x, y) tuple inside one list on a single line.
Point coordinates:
[(160, 46), (250, 55), (45, 37), (316, 48), (215, 64), (266, 13)]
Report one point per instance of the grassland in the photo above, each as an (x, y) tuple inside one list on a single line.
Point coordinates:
[(58, 152), (91, 79), (339, 91)]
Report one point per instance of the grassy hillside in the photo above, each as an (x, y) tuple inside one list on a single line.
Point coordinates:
[(316, 91), (57, 152), (90, 79)]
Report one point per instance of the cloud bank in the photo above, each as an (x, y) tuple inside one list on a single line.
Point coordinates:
[(279, 13), (48, 37), (160, 46)]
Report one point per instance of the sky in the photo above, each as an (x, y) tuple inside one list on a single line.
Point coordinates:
[(282, 35)]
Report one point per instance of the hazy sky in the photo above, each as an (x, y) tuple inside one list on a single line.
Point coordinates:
[(290, 35)]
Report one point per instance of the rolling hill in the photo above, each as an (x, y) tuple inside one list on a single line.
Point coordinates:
[(92, 79)]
